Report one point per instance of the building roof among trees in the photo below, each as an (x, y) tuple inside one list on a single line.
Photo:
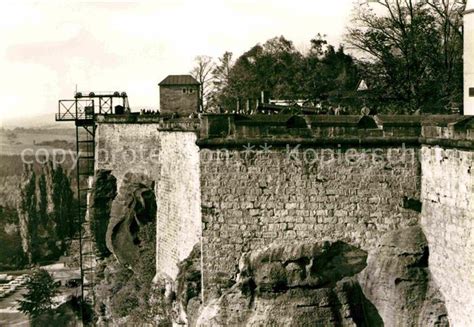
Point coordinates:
[(179, 80)]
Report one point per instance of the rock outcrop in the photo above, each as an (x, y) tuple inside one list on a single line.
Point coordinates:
[(397, 281), (125, 222), (295, 285), (124, 298), (104, 191), (333, 284), (134, 206), (187, 297)]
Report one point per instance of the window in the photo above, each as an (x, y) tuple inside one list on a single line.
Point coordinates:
[(184, 90), (191, 90)]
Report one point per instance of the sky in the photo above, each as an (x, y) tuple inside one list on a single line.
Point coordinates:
[(48, 47)]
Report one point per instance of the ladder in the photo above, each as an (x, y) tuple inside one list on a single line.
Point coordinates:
[(82, 110), (85, 151)]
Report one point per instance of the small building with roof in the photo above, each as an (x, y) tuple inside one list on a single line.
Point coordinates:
[(179, 94)]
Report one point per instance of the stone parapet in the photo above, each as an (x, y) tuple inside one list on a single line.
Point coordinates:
[(164, 122), (234, 129), (450, 134)]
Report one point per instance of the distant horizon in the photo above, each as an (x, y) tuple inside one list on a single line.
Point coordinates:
[(45, 120)]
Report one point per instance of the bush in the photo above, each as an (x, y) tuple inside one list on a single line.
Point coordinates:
[(39, 296)]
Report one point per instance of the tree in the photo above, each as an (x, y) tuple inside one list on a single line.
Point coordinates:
[(449, 17), (274, 67), (48, 211), (221, 72), (221, 80), (64, 205), (40, 292), (327, 72), (202, 72), (27, 208), (278, 68), (415, 47)]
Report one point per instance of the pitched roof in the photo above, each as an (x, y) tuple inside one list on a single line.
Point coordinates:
[(179, 80)]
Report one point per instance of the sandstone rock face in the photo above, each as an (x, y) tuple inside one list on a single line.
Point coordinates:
[(128, 298), (188, 289), (295, 285), (397, 281), (124, 223), (340, 305), (104, 191), (333, 284), (134, 206)]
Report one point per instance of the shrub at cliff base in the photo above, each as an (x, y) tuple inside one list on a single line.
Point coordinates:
[(39, 296)]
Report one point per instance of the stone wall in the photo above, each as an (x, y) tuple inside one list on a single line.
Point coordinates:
[(123, 148), (448, 222), (170, 160), (249, 201), (282, 179), (179, 201), (174, 100)]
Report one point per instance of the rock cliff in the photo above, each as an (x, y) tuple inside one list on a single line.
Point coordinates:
[(132, 209), (398, 282), (330, 284), (104, 191), (295, 285), (124, 225)]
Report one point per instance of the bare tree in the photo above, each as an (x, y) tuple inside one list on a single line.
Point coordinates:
[(418, 43), (202, 72), (449, 18)]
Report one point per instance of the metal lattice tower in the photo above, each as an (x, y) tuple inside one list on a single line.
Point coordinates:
[(83, 110)]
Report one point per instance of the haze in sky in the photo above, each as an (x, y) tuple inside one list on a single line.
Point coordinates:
[(49, 47)]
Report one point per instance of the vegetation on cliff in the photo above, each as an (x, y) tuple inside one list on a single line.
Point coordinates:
[(47, 211), (11, 251)]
